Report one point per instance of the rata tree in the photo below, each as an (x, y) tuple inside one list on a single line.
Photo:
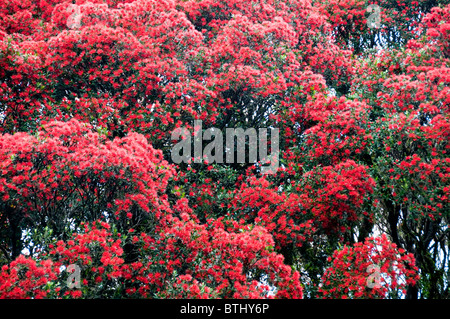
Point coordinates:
[(361, 25), (121, 54), (262, 62), (375, 268), (184, 260), (143, 66), (159, 65), (150, 74), (231, 70), (71, 197), (363, 147), (21, 88), (408, 93), (24, 278), (400, 134), (67, 173), (413, 183), (281, 28)]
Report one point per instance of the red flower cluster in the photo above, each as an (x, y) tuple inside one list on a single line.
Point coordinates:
[(387, 22), (257, 201), (91, 91), (373, 269), (69, 164), (24, 278), (335, 195), (184, 260)]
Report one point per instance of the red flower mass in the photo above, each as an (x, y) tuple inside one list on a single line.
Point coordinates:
[(90, 92)]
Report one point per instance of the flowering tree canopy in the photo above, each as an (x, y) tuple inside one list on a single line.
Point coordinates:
[(91, 92)]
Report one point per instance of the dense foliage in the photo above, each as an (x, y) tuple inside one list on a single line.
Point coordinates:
[(90, 92)]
